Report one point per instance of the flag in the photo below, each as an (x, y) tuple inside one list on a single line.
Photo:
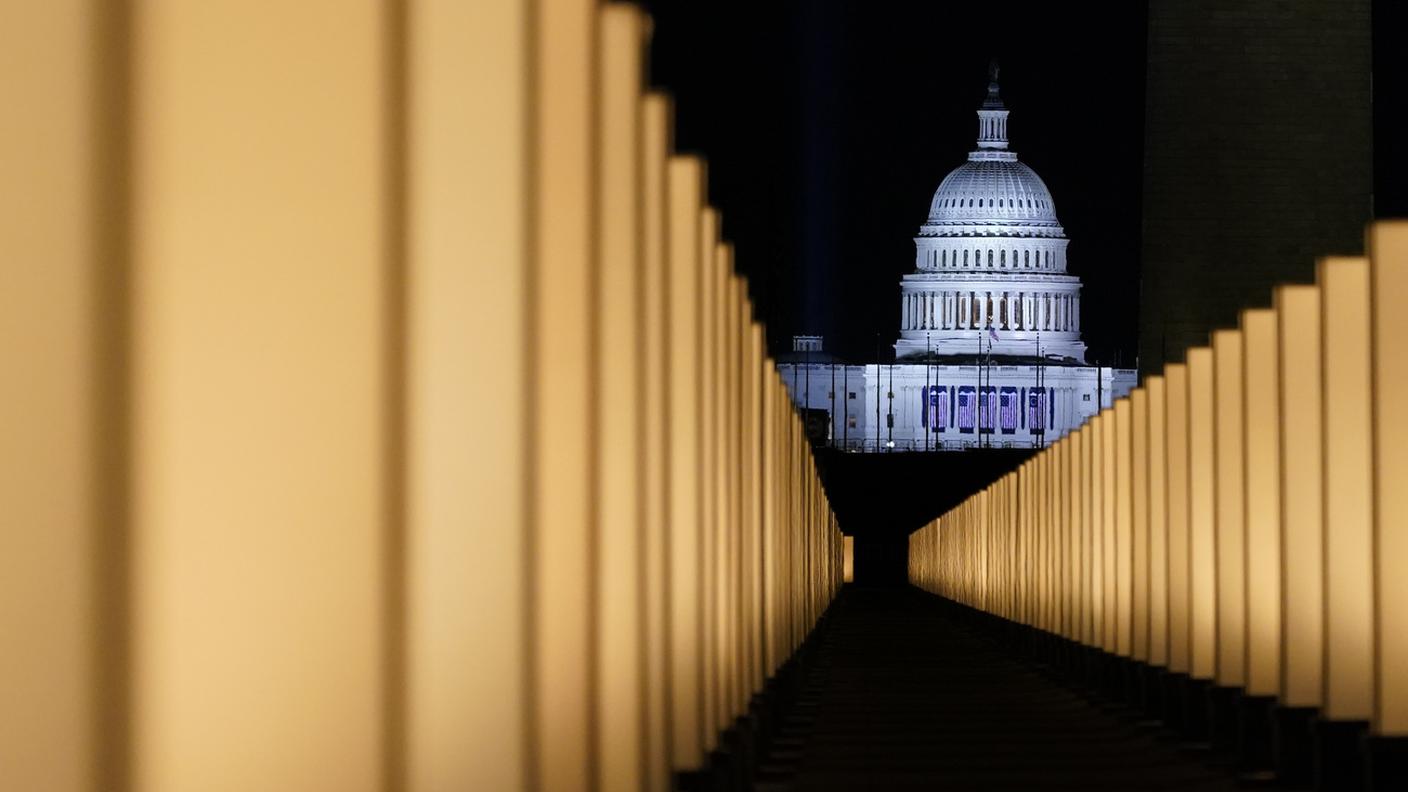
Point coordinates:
[(992, 333)]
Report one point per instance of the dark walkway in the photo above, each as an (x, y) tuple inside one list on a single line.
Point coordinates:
[(902, 696)]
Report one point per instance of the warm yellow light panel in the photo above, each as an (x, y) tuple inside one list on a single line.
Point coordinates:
[(1348, 476), (1072, 496), (466, 523), (1121, 447), (1158, 520), (654, 152), (1061, 491), (709, 439), (266, 503), (848, 568), (1202, 516), (565, 60), (62, 338), (1102, 583), (1176, 469), (1229, 526), (1139, 504), (1388, 247), (1084, 565), (685, 464), (1041, 576), (1262, 422), (768, 528), (1302, 516), (618, 703), (1110, 548), (753, 539)]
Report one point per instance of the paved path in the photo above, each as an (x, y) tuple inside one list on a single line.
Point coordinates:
[(903, 697)]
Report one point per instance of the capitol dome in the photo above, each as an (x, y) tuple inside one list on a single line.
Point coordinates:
[(990, 261), (1000, 193)]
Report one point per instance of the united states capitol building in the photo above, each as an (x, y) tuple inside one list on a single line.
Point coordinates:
[(989, 352)]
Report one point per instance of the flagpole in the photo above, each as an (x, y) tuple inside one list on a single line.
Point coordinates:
[(890, 411), (928, 422), (877, 393), (831, 435)]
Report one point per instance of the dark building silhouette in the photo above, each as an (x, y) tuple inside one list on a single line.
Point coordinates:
[(1258, 156)]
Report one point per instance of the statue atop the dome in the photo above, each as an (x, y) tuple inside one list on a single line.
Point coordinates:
[(993, 100)]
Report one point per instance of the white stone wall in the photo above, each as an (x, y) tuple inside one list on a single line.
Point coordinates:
[(1076, 393)]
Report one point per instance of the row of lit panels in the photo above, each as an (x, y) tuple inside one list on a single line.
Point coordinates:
[(1241, 517), (382, 409)]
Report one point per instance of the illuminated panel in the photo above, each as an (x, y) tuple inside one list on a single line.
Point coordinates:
[(848, 568), (1263, 501), (768, 527), (1176, 469), (752, 517), (1072, 495), (1121, 449), (1063, 539), (1110, 528), (1302, 518), (1388, 245), (467, 525), (724, 465), (1348, 477), (1087, 570), (564, 69), (1098, 595), (619, 731), (1202, 515), (268, 231), (683, 285), (1158, 521), (1139, 503), (1230, 527), (709, 437), (1040, 464), (738, 615), (655, 146), (63, 221)]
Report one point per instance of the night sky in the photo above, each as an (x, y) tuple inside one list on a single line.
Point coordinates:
[(829, 124)]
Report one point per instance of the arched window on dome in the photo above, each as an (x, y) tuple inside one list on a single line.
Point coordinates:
[(965, 258), (1026, 258), (989, 257), (980, 203), (1002, 261), (1001, 203)]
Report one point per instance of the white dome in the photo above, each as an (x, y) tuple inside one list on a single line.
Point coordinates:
[(990, 261), (992, 192)]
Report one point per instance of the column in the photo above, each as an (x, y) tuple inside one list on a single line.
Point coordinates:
[(1202, 515), (1230, 541), (1388, 246), (1301, 478), (1348, 476)]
